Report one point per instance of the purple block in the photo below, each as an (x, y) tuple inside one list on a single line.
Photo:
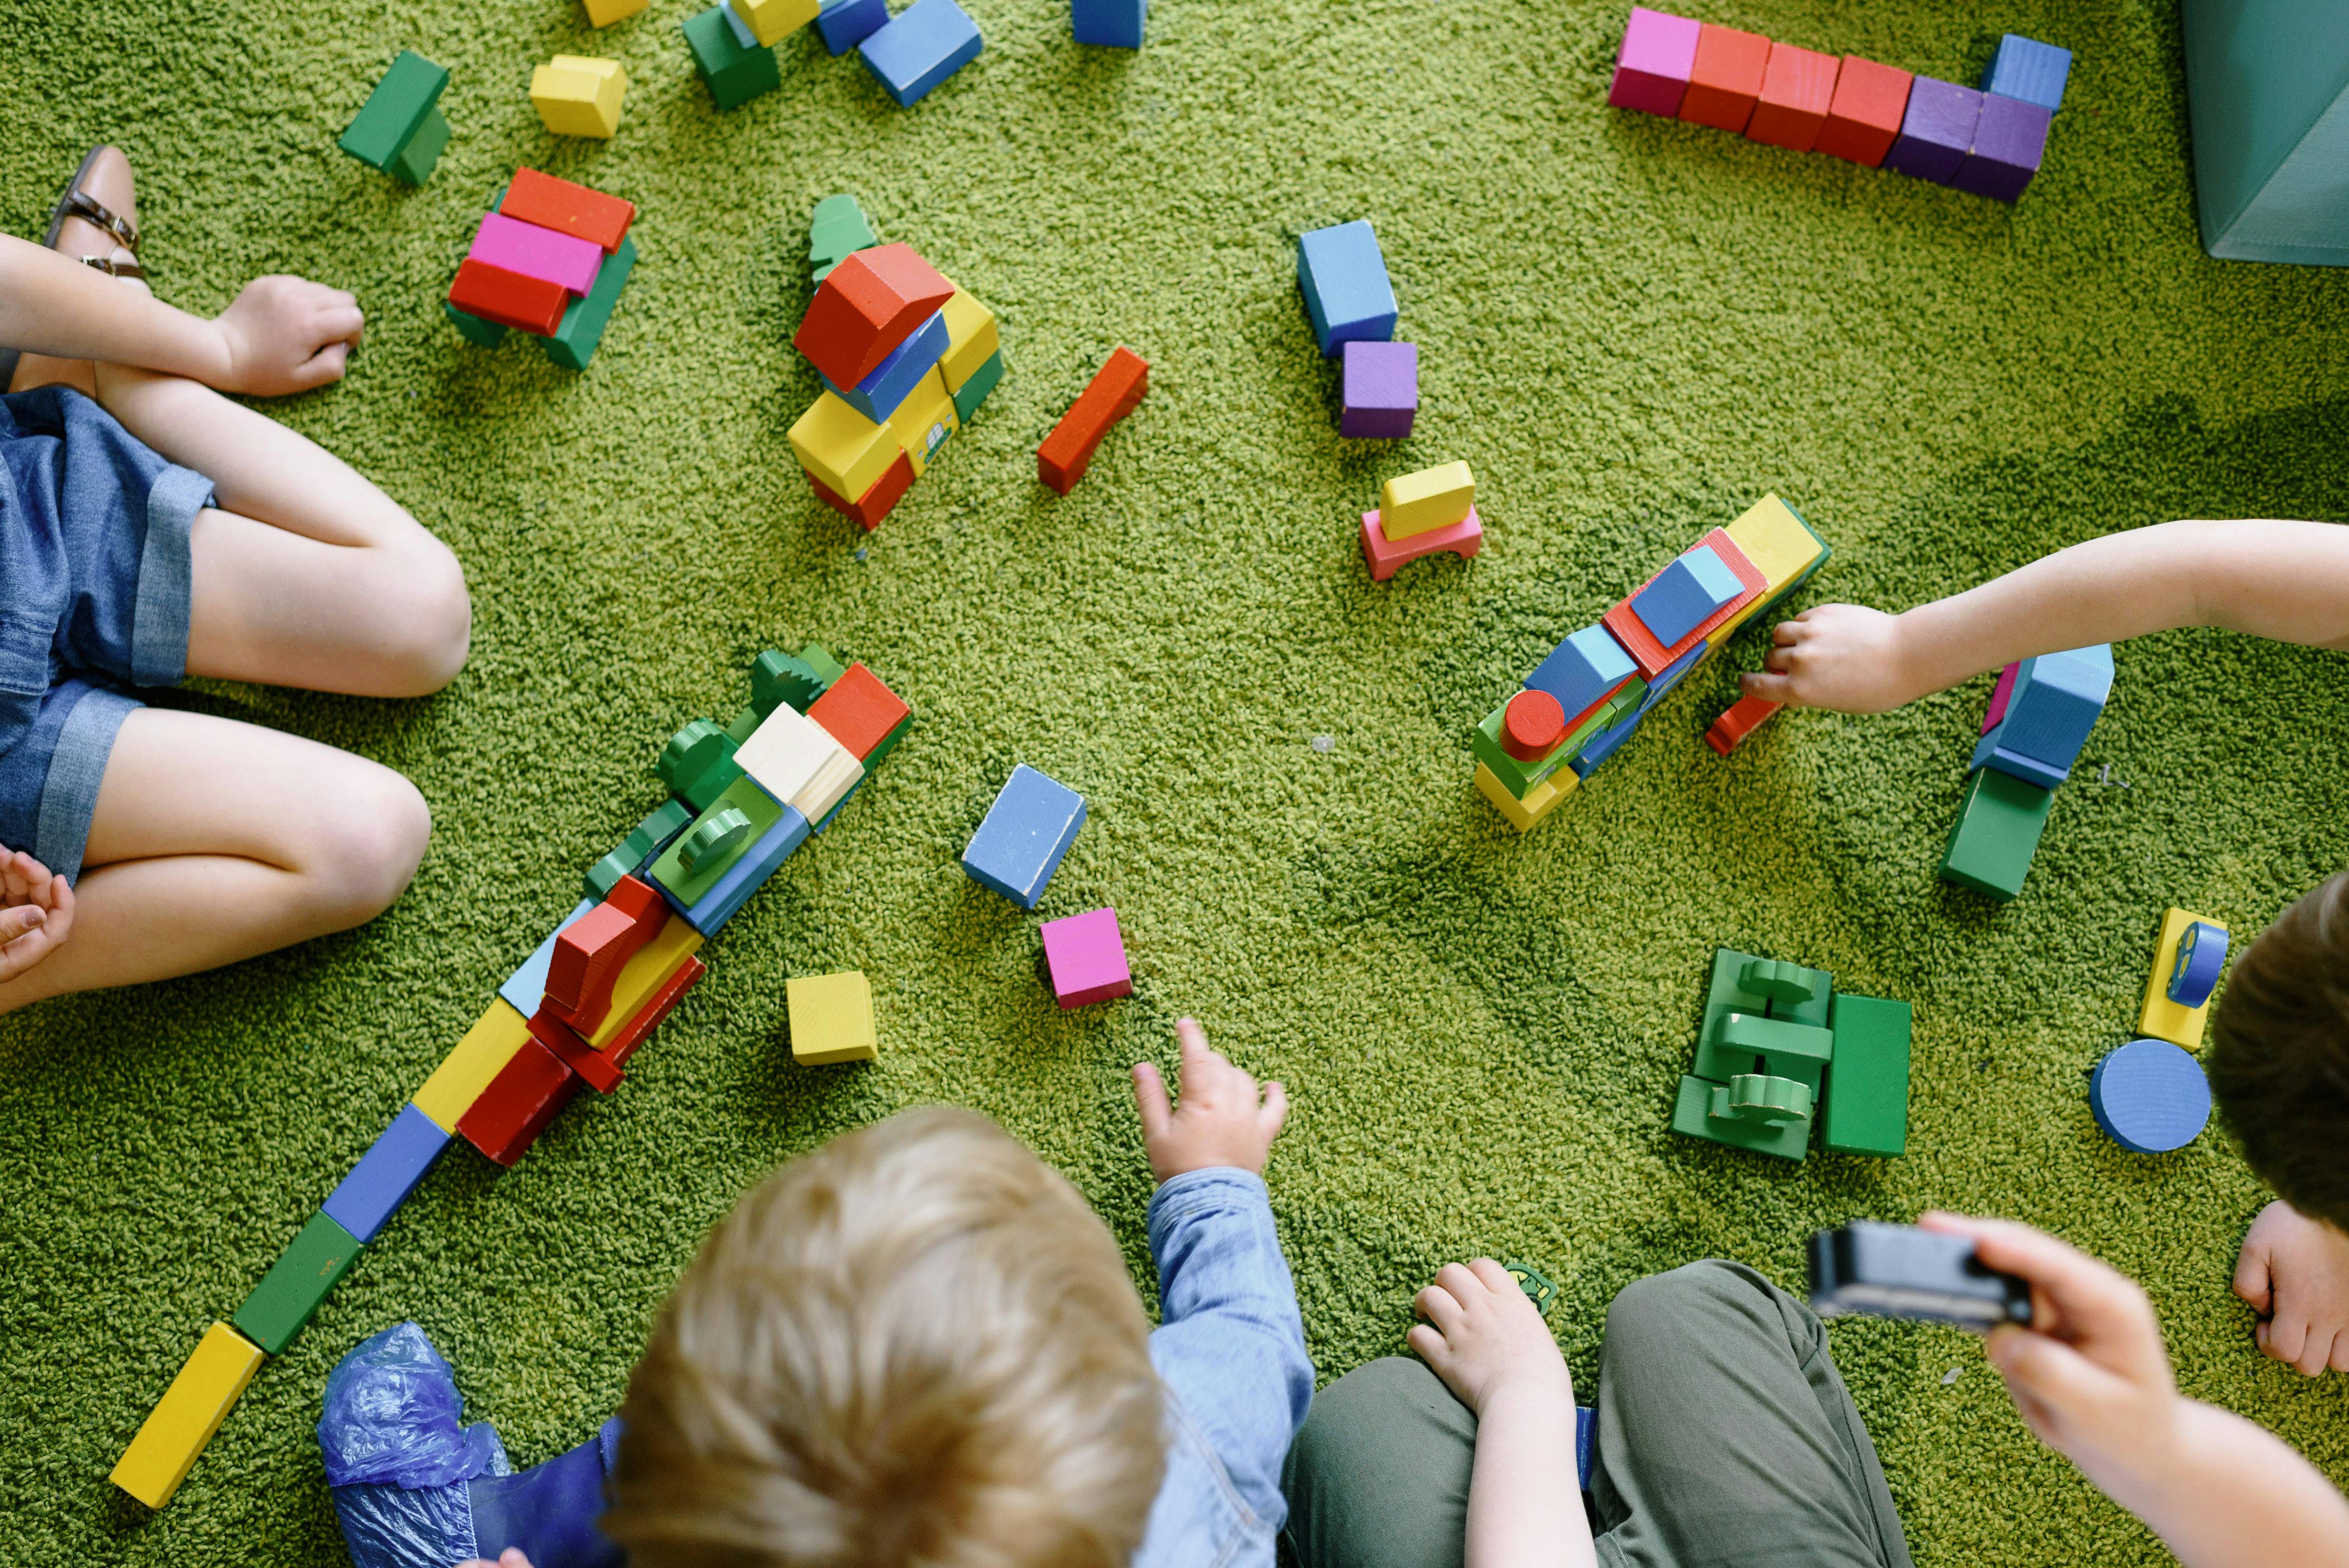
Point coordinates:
[(536, 252), (1380, 391), (1652, 72), (1938, 132), (2008, 145)]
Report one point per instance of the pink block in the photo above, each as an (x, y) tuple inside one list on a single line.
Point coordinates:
[(1464, 538), (1998, 696), (536, 252), (1653, 71), (1087, 959)]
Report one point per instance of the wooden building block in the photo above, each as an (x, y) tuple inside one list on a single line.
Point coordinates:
[(972, 336), (1745, 716), (578, 96), (1654, 656), (2010, 140), (868, 305), (2271, 128), (1937, 132), (697, 763), (1782, 547), (655, 1009), (2029, 70), (1999, 694), (787, 753), (509, 299), (1996, 833), (476, 1059), (1871, 101), (1431, 499), (416, 160), (924, 420), (974, 392), (1085, 956), (565, 1045), (2161, 1017), (536, 252), (645, 841), (1653, 64), (1686, 594), (920, 47), (483, 333), (862, 713), (2149, 1097), (1114, 391), (735, 72), (770, 20), (1584, 672), (318, 1256), (838, 228), (590, 955), (1868, 1081), (176, 1431), (396, 110), (1109, 24), (840, 446), (832, 1019), (1378, 391), (525, 986), (573, 343), (684, 885), (604, 13), (386, 1174), (1726, 81), (526, 1095), (644, 978), (1020, 843), (844, 24), (867, 509), (1525, 814), (724, 898), (1533, 724), (1798, 91), (831, 784), (1348, 296), (1463, 539), (890, 383)]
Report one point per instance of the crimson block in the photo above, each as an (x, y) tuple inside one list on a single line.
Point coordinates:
[(1532, 725), (860, 712), (867, 307), (1798, 91), (568, 209), (1864, 120), (867, 509), (1744, 717), (509, 1115), (1726, 79), (590, 953), (509, 299), (1114, 392)]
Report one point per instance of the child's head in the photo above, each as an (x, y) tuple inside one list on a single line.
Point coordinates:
[(2279, 1054), (916, 1344)]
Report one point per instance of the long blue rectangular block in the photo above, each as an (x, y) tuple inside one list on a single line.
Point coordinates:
[(893, 379), (845, 24), (1582, 670), (727, 895), (526, 986), (1603, 745), (386, 1174), (1026, 832), (1347, 292), (2028, 69), (1111, 24), (2057, 701), (921, 46)]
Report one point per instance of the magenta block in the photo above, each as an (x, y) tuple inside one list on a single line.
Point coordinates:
[(536, 252), (1087, 959), (1998, 696), (1379, 391), (1651, 71), (2009, 142)]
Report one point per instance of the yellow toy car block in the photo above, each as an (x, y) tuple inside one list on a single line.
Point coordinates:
[(189, 1413), (2161, 1018), (1430, 499), (772, 20), (840, 446), (832, 1019), (468, 1068), (1540, 800), (645, 972), (604, 13), (576, 96), (924, 420), (972, 338)]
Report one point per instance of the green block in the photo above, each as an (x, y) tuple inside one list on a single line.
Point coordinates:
[(296, 1284), (1757, 1096), (818, 657), (1540, 1288), (746, 724), (698, 764), (1519, 778), (735, 75), (1739, 1043), (1692, 1114), (973, 392), (414, 164), (573, 342), (742, 796), (889, 742), (1868, 1085), (653, 833), (777, 679), (717, 838), (838, 230), (1737, 985), (487, 333), (1996, 833), (397, 110)]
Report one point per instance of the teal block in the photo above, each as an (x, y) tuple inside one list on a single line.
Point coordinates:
[(974, 391), (573, 342), (2268, 88), (396, 110), (487, 333), (736, 75), (414, 164)]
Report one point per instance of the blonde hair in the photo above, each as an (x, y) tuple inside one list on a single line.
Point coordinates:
[(916, 1348)]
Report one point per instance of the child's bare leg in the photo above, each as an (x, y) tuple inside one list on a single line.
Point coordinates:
[(214, 841)]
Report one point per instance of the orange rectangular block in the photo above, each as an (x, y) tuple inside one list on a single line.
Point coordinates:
[(867, 307), (867, 509), (859, 711), (1864, 119), (1797, 90), (509, 299), (649, 1016), (1114, 392), (568, 209), (1726, 80), (1652, 657), (595, 1067), (1744, 717)]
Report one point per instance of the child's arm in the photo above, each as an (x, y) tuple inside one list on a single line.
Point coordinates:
[(280, 335), (37, 911), (2288, 580), (2294, 1272), (2093, 1381), (1487, 1342)]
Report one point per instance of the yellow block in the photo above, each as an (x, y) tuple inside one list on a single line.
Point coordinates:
[(832, 1019), (577, 95), (604, 13), (924, 419), (842, 447), (1431, 498), (185, 1419), (770, 19), (467, 1071), (645, 974), (1774, 540), (1539, 801), (2162, 1018), (972, 338)]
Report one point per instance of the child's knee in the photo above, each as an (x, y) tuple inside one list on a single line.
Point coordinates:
[(434, 628), (366, 845)]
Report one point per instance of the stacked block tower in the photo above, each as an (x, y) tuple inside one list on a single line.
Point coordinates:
[(1988, 140), (549, 259), (1423, 513), (741, 799), (1351, 303), (733, 43), (399, 128), (1584, 701), (2039, 717), (905, 356)]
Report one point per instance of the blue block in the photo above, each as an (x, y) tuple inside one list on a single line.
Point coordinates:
[(1585, 1443), (1116, 24), (921, 46), (1684, 594), (744, 877), (1346, 289), (893, 379), (1582, 670), (2028, 69), (845, 24), (386, 1174), (2056, 702), (1671, 675), (2150, 1097), (526, 986), (1602, 745), (2202, 953), (1020, 844)]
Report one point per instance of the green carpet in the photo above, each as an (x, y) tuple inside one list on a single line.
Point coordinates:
[(1631, 328)]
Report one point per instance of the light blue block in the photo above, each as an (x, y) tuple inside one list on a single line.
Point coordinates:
[(1113, 24), (1581, 670), (386, 1174), (893, 379), (1684, 594), (2056, 702), (2028, 69), (1026, 832), (525, 988), (743, 36), (1346, 289), (709, 914), (845, 24), (2202, 953), (2267, 84), (922, 46)]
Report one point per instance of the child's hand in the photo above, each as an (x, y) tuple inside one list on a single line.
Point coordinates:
[(1224, 1120), (2294, 1271), (37, 911), (1483, 1334), (287, 335), (1836, 656)]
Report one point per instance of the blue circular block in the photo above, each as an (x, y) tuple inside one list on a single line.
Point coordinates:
[(2202, 953), (2150, 1097)]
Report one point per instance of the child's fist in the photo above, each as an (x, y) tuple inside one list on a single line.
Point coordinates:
[(1835, 656), (1483, 1333), (35, 912), (287, 335), (2294, 1272), (1224, 1119)]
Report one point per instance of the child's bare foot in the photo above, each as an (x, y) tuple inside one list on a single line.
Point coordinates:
[(97, 218)]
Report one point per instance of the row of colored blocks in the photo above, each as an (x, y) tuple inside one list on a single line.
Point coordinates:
[(550, 259), (1351, 302), (579, 1007), (2039, 717), (1585, 700), (1020, 842), (732, 43), (1989, 141)]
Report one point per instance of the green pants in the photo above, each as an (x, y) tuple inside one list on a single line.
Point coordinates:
[(1724, 1437)]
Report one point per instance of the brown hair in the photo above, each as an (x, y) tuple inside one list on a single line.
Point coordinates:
[(2280, 1056), (917, 1345)]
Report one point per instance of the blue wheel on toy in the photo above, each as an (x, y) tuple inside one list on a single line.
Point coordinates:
[(2150, 1097)]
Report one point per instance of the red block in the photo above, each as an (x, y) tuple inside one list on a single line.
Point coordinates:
[(1744, 717), (1864, 119), (568, 209), (858, 711), (649, 1016), (874, 504), (509, 299), (1654, 657), (1115, 391), (1797, 90), (1532, 725), (510, 1114), (1727, 79), (867, 307), (591, 951), (603, 1075)]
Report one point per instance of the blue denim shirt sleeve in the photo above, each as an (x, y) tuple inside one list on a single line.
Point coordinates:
[(1231, 1343)]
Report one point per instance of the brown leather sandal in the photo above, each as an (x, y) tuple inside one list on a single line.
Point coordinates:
[(77, 203)]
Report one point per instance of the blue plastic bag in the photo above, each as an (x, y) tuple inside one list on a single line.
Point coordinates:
[(391, 1415)]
